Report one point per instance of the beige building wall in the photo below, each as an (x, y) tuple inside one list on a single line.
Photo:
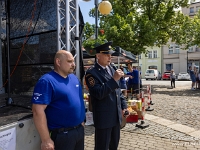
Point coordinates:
[(192, 9), (145, 62), (174, 55), (181, 59)]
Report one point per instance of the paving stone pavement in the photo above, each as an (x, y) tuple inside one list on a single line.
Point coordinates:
[(143, 139), (179, 106)]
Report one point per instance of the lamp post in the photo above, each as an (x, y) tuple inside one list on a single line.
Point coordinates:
[(96, 18), (104, 8)]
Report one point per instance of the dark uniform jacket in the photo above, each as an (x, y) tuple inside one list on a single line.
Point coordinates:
[(106, 97)]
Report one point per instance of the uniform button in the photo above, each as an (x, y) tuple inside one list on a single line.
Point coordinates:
[(117, 95)]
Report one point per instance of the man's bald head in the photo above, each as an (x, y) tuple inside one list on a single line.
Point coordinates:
[(62, 54), (64, 63)]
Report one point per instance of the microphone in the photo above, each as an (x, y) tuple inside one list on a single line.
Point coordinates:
[(114, 67)]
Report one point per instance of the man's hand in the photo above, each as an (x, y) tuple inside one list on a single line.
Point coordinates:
[(125, 113), (118, 74), (131, 77), (47, 145), (83, 124)]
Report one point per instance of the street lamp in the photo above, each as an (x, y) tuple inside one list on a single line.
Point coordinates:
[(104, 8)]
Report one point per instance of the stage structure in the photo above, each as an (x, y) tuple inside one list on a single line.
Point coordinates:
[(38, 29), (68, 28), (35, 31)]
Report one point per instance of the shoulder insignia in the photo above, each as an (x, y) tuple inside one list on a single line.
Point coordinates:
[(91, 81)]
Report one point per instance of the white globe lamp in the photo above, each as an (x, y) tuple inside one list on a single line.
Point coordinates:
[(105, 7)]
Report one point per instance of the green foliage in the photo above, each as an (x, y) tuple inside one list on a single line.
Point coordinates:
[(89, 36), (92, 43), (137, 24)]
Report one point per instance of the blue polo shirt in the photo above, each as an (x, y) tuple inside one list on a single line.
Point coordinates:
[(63, 97), (135, 79)]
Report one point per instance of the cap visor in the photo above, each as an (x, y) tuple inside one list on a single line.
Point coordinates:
[(108, 52)]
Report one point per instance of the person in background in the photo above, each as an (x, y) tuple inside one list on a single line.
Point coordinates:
[(192, 77), (140, 79), (172, 78), (58, 106), (108, 102), (123, 84), (196, 72), (198, 80), (134, 80)]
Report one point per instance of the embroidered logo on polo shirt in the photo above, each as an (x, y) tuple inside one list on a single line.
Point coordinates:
[(36, 96)]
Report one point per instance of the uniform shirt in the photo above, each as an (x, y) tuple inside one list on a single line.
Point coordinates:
[(63, 97)]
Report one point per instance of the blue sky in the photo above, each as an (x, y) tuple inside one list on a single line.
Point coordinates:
[(85, 8)]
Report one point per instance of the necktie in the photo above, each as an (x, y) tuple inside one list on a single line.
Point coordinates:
[(106, 69)]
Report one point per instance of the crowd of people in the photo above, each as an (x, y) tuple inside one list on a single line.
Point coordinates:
[(194, 76)]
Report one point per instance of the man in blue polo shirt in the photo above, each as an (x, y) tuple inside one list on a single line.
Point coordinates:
[(134, 80), (58, 106)]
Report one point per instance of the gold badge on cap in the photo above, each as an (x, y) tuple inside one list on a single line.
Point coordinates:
[(91, 81)]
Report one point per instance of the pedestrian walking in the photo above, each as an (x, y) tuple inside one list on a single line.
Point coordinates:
[(58, 106), (107, 99), (172, 78)]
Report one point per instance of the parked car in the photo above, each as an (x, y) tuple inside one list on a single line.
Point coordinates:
[(151, 74), (183, 76), (166, 75)]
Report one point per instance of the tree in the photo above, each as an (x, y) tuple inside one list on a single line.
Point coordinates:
[(136, 24), (187, 29)]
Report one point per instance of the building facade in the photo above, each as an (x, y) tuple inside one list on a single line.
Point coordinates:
[(152, 60), (174, 57)]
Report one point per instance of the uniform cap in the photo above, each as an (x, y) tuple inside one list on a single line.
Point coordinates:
[(104, 48)]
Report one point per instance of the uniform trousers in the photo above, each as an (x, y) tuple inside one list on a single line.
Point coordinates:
[(69, 140), (107, 138)]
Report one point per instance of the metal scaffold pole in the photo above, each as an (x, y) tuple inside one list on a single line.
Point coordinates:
[(68, 28)]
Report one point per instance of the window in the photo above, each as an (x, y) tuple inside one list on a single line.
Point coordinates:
[(171, 49), (155, 54), (150, 71), (174, 49), (197, 8), (150, 54), (152, 67), (177, 49), (140, 56), (190, 49), (169, 67), (191, 9)]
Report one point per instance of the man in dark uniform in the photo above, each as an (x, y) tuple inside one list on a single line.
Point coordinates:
[(107, 100)]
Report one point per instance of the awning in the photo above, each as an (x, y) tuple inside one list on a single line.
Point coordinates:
[(121, 52), (120, 56)]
